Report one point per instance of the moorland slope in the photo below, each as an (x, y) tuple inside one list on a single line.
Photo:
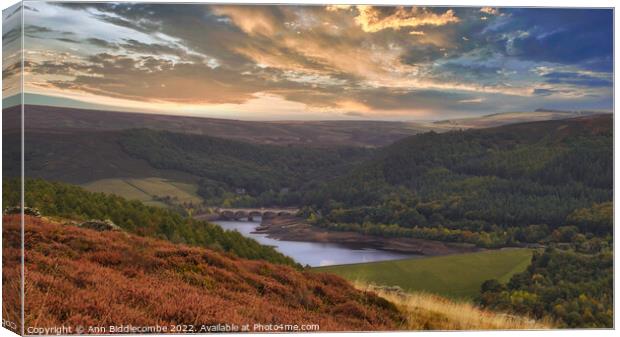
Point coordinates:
[(83, 277), (77, 276)]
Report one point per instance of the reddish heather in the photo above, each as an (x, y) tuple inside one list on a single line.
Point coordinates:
[(81, 277), (11, 275)]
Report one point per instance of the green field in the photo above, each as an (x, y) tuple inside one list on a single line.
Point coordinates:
[(146, 189), (455, 276)]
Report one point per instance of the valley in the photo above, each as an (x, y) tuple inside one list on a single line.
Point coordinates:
[(290, 167), (405, 210)]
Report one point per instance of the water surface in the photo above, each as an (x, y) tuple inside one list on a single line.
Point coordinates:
[(314, 254)]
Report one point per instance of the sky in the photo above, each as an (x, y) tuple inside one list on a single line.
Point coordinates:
[(280, 62)]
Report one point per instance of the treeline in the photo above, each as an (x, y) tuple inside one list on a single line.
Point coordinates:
[(494, 187), (238, 173), (573, 289), (69, 201)]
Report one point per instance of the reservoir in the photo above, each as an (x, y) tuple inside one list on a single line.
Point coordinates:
[(315, 254)]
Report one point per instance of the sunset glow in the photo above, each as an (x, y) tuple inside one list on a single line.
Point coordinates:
[(318, 62)]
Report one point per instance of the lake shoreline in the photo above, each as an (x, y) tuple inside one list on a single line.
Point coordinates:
[(290, 228)]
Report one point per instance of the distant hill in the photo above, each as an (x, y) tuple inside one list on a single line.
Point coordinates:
[(504, 118), (215, 166), (309, 133), (86, 147), (91, 146)]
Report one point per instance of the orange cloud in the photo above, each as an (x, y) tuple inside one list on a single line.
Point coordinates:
[(251, 19), (371, 20), (489, 10), (334, 8)]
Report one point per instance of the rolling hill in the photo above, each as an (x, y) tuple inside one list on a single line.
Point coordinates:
[(539, 184), (147, 164), (491, 187), (308, 133), (95, 148), (504, 118)]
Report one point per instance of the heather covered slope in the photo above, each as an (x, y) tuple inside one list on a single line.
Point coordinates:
[(72, 202), (78, 276)]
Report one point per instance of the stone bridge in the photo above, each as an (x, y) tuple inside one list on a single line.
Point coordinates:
[(251, 213)]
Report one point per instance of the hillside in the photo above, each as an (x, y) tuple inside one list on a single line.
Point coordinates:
[(84, 277), (225, 165), (215, 167), (574, 286), (307, 133), (72, 202), (97, 148), (491, 187), (503, 118), (542, 184)]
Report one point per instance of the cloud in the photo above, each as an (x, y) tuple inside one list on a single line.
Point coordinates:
[(11, 35), (489, 10), (577, 79), (136, 46), (477, 72), (353, 114), (265, 20), (34, 30), (472, 100), (371, 19), (373, 60), (582, 37), (419, 53), (334, 8), (101, 43), (543, 92), (151, 79)]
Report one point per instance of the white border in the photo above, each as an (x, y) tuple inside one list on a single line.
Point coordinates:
[(452, 3)]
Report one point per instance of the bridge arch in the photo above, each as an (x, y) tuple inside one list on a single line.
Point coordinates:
[(241, 214), (250, 213)]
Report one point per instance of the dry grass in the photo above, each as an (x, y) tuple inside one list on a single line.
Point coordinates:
[(430, 312)]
